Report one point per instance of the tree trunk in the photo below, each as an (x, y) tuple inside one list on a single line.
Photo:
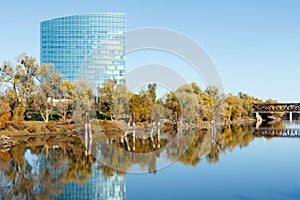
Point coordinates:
[(47, 115)]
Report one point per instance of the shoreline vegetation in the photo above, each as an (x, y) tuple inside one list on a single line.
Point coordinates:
[(35, 100)]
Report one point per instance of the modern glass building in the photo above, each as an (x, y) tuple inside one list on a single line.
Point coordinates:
[(85, 46)]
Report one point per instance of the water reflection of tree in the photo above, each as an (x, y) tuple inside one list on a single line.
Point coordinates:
[(62, 160), (119, 158), (17, 174), (230, 138), (192, 156), (203, 145), (172, 145), (43, 179)]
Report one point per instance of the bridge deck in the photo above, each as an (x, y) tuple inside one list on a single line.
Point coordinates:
[(277, 107)]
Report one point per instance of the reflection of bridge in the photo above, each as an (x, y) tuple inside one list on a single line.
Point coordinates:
[(277, 107), (277, 132)]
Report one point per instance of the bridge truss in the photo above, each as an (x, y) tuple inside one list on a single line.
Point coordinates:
[(277, 107)]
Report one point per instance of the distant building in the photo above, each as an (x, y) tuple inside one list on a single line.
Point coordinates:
[(85, 46)]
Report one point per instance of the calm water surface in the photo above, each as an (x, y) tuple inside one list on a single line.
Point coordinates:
[(244, 163)]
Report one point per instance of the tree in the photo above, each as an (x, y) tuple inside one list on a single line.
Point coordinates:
[(20, 81), (196, 88), (214, 103), (184, 103), (48, 90), (65, 103), (139, 105), (120, 101), (152, 92), (248, 101), (234, 107), (173, 106), (4, 105), (83, 101), (189, 104), (239, 106), (108, 97), (5, 115)]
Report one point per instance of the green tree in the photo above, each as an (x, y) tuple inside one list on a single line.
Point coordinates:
[(108, 97), (152, 92), (172, 104)]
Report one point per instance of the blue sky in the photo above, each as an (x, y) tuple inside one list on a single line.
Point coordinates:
[(254, 44)]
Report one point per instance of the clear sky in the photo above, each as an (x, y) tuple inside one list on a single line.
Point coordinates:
[(254, 44)]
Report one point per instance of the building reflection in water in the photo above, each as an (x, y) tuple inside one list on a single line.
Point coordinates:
[(51, 171), (96, 186)]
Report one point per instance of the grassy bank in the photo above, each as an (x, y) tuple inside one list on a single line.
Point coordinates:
[(31, 128)]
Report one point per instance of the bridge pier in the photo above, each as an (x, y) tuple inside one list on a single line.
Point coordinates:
[(258, 117), (291, 116)]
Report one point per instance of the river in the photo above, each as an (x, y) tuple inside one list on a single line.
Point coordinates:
[(242, 162)]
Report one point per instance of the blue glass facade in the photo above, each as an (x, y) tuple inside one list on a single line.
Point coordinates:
[(86, 46)]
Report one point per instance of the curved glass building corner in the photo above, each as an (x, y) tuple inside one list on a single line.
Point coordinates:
[(87, 46)]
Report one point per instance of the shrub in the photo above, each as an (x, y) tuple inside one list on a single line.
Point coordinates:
[(18, 125), (62, 130), (4, 119), (32, 127), (5, 156), (30, 116), (43, 129), (18, 115), (51, 125), (102, 116), (108, 125)]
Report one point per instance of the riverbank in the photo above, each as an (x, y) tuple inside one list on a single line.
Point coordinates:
[(244, 120), (33, 128), (30, 131)]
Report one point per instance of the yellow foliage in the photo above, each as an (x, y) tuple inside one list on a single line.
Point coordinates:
[(5, 156), (4, 119), (51, 125), (32, 127)]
